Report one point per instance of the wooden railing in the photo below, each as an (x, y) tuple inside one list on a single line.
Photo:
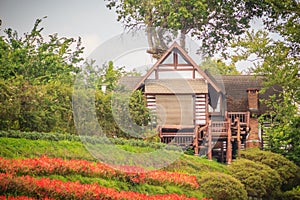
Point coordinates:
[(180, 135), (244, 118), (220, 129)]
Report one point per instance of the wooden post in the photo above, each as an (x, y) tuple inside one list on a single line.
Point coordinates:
[(196, 137), (222, 152), (239, 136), (160, 133), (209, 151), (229, 147), (248, 119)]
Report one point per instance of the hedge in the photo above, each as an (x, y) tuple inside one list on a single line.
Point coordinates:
[(222, 186)]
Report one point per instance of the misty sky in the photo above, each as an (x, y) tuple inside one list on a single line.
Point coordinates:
[(88, 19)]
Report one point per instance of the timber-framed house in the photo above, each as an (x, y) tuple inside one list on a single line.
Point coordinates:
[(216, 115)]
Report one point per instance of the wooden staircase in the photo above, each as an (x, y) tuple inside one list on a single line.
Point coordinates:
[(222, 138), (217, 138)]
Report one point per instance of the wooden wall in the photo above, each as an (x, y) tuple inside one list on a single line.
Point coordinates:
[(183, 109)]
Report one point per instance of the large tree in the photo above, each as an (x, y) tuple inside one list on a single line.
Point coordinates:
[(218, 67), (36, 80), (279, 64), (39, 59), (215, 23)]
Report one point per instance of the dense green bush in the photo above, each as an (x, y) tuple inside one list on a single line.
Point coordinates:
[(288, 171), (221, 186), (89, 139), (293, 194), (260, 180)]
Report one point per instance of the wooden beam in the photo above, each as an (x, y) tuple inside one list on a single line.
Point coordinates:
[(209, 151), (174, 70), (206, 107), (239, 136), (160, 133), (175, 57), (196, 137), (229, 146), (222, 152), (248, 120), (173, 65)]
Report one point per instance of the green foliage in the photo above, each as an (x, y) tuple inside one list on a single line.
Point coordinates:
[(36, 77), (123, 185), (288, 171), (279, 65), (293, 194), (260, 180), (138, 108), (28, 107), (221, 186), (16, 148), (217, 67), (191, 164), (36, 87), (119, 112), (88, 139), (283, 18), (37, 59), (213, 22)]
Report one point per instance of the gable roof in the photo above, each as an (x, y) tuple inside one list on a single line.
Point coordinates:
[(187, 58)]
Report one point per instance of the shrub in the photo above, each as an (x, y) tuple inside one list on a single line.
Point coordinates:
[(222, 186), (260, 180), (288, 171), (292, 194), (53, 136)]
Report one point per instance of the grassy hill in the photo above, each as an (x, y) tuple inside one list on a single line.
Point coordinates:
[(40, 160), (14, 148)]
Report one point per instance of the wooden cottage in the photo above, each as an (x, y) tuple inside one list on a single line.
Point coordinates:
[(193, 108)]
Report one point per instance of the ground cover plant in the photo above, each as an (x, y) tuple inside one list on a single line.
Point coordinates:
[(47, 166), (45, 187), (65, 161)]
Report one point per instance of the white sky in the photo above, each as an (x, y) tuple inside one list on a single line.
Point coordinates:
[(89, 19)]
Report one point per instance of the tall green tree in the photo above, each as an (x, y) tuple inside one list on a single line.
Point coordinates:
[(278, 61), (274, 61), (218, 67), (215, 23), (36, 80), (39, 59)]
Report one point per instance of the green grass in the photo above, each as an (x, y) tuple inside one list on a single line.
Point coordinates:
[(141, 188), (195, 165), (24, 148), (136, 149)]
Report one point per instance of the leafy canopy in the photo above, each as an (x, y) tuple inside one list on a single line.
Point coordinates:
[(37, 59), (215, 23)]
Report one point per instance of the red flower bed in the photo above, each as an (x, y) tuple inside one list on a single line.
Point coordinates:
[(20, 198), (47, 166), (45, 187)]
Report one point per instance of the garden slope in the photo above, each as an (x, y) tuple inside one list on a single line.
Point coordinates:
[(19, 148)]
